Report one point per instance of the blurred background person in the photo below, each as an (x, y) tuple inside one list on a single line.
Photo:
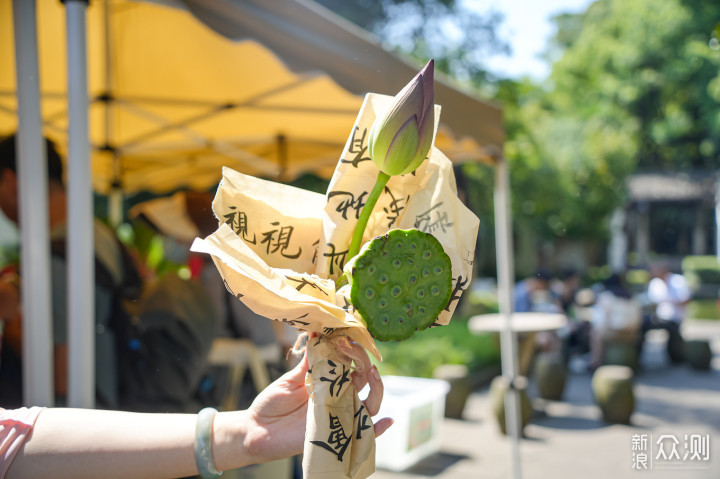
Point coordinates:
[(564, 289), (533, 294), (616, 317), (178, 220), (108, 252), (670, 293)]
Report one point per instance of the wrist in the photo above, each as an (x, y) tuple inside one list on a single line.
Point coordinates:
[(229, 440)]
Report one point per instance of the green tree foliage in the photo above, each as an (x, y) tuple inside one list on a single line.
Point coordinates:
[(646, 75), (635, 85), (457, 38)]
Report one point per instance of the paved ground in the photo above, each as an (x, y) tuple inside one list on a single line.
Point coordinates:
[(570, 440)]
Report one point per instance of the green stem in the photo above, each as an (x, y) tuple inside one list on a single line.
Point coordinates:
[(377, 190)]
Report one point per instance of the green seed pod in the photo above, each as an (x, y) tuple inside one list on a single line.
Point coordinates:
[(411, 279)]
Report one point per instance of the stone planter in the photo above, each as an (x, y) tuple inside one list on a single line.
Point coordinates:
[(698, 354), (613, 390), (498, 390), (676, 349), (550, 374), (458, 377)]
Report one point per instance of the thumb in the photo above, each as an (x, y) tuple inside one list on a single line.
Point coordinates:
[(297, 374)]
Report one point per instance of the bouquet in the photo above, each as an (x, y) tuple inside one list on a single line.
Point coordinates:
[(388, 251)]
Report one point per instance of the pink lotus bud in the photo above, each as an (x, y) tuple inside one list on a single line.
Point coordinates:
[(400, 139)]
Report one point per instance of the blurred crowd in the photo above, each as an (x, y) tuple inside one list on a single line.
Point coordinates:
[(608, 317)]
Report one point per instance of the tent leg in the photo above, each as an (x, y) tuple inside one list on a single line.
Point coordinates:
[(509, 359), (717, 221), (33, 195), (81, 306), (115, 207)]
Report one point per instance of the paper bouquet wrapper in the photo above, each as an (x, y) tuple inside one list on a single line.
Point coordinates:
[(279, 250)]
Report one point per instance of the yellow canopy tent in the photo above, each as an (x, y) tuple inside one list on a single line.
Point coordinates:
[(171, 101), (307, 35), (174, 101)]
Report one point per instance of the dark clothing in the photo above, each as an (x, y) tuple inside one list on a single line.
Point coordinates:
[(674, 342), (108, 253)]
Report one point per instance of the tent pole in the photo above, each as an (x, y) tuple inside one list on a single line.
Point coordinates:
[(282, 156), (33, 196), (717, 221), (504, 248), (81, 262), (115, 205), (115, 195)]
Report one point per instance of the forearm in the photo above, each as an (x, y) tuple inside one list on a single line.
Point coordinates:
[(92, 443)]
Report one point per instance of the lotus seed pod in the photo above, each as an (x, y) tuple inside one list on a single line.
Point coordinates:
[(399, 283)]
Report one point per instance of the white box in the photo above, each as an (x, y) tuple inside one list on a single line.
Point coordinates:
[(418, 407)]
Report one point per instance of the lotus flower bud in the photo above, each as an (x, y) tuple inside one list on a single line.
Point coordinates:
[(400, 139)]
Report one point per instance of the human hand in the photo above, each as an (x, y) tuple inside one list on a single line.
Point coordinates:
[(274, 425)]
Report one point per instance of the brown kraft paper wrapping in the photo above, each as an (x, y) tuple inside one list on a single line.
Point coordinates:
[(339, 439)]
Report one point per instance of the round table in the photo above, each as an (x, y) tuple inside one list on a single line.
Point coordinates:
[(530, 323), (520, 322)]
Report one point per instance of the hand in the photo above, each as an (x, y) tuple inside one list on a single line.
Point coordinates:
[(277, 417), (274, 425)]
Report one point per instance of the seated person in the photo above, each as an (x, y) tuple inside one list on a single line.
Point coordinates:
[(616, 316), (533, 294), (670, 293), (565, 288), (531, 291)]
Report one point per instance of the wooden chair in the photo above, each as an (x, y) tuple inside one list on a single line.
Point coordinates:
[(239, 355)]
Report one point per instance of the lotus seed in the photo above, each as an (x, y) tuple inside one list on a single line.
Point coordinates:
[(396, 291), (382, 303), (385, 318), (408, 307), (400, 319), (435, 290), (384, 254), (370, 293), (426, 273), (399, 245), (421, 293), (383, 279), (397, 263), (426, 254), (411, 262), (413, 279), (438, 270), (421, 310), (371, 269), (413, 246)]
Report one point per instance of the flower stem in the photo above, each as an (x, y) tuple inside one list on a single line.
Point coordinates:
[(382, 180)]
